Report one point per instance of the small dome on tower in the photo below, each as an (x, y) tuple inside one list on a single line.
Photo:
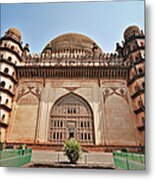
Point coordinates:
[(14, 32), (130, 31)]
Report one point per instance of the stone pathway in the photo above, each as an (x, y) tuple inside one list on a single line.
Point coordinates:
[(88, 159)]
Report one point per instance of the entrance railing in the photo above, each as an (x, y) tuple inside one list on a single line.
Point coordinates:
[(132, 161), (15, 158)]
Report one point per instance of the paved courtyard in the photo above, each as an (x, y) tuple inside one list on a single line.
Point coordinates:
[(88, 159)]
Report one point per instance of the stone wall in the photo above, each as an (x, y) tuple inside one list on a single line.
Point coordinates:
[(118, 119), (109, 100), (24, 116)]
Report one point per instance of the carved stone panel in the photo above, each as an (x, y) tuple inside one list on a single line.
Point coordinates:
[(119, 122), (25, 117)]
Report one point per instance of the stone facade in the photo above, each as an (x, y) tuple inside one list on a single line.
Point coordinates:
[(73, 89)]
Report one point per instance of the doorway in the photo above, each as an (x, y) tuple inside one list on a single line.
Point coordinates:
[(71, 135)]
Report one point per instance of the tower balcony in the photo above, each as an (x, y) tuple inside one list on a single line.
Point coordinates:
[(3, 123), (137, 48), (130, 51), (12, 51), (139, 60), (12, 78), (11, 39), (137, 93), (3, 60), (135, 36), (7, 91), (135, 77), (141, 128), (140, 109), (5, 107)]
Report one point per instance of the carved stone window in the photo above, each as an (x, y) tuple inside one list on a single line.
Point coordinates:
[(140, 103), (6, 70), (71, 117), (2, 84), (1, 56), (6, 102), (136, 88), (3, 116), (140, 70), (143, 85), (142, 43), (143, 120), (12, 47), (9, 58)]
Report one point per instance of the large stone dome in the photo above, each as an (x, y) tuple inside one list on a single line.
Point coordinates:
[(72, 41)]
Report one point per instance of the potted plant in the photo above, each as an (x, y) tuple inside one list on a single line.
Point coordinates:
[(73, 151)]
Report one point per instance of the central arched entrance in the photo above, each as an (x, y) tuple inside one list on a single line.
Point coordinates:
[(71, 117)]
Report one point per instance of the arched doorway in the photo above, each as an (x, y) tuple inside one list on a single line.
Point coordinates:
[(71, 117)]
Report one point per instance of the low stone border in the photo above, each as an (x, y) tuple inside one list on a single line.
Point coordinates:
[(67, 165)]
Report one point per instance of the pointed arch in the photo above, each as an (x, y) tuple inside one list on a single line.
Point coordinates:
[(71, 116), (27, 99)]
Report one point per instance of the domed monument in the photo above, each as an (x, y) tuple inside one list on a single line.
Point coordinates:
[(73, 89)]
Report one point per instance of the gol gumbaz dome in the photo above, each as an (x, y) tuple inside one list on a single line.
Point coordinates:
[(71, 41)]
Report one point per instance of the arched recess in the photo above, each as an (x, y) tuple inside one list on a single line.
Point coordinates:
[(119, 122), (25, 116), (71, 117)]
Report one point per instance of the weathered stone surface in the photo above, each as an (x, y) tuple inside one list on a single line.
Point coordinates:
[(120, 128), (24, 120), (112, 117)]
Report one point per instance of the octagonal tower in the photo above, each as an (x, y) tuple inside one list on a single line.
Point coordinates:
[(10, 57)]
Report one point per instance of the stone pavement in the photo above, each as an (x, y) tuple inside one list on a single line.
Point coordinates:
[(91, 158)]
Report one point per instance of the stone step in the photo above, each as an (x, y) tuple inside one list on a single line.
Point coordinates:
[(96, 158)]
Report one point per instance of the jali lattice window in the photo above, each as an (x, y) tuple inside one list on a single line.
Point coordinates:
[(71, 117)]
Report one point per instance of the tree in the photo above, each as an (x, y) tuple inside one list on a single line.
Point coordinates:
[(72, 149)]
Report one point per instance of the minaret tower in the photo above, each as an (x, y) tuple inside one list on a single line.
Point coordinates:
[(134, 52), (10, 58)]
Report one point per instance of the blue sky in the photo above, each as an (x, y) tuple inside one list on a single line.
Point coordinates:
[(104, 22)]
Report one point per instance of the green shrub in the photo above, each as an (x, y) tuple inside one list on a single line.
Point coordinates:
[(124, 150), (72, 149)]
